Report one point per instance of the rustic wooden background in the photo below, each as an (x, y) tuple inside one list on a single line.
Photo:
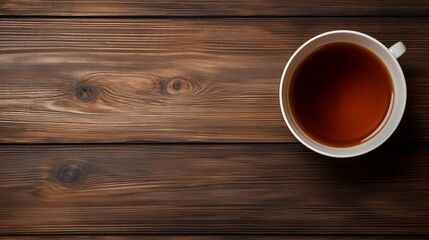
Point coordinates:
[(160, 119)]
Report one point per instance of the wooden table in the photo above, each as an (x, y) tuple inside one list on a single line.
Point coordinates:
[(161, 118)]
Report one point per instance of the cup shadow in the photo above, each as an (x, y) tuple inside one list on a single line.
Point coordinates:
[(387, 164), (413, 125)]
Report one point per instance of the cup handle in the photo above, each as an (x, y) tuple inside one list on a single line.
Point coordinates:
[(398, 49)]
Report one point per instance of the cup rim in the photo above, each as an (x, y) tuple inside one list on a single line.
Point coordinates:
[(344, 152)]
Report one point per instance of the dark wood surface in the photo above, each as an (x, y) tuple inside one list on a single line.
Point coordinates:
[(217, 80), (212, 237), (212, 188), (213, 8), (160, 120)]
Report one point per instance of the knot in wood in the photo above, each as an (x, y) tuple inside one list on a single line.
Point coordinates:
[(178, 85), (85, 93), (70, 173)]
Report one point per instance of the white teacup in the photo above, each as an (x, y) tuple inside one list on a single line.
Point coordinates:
[(387, 55)]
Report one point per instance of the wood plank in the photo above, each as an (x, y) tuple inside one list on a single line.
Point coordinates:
[(112, 80), (212, 189), (213, 8), (213, 237)]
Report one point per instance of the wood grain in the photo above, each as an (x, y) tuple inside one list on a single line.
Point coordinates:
[(213, 237), (212, 189), (213, 8), (101, 80)]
